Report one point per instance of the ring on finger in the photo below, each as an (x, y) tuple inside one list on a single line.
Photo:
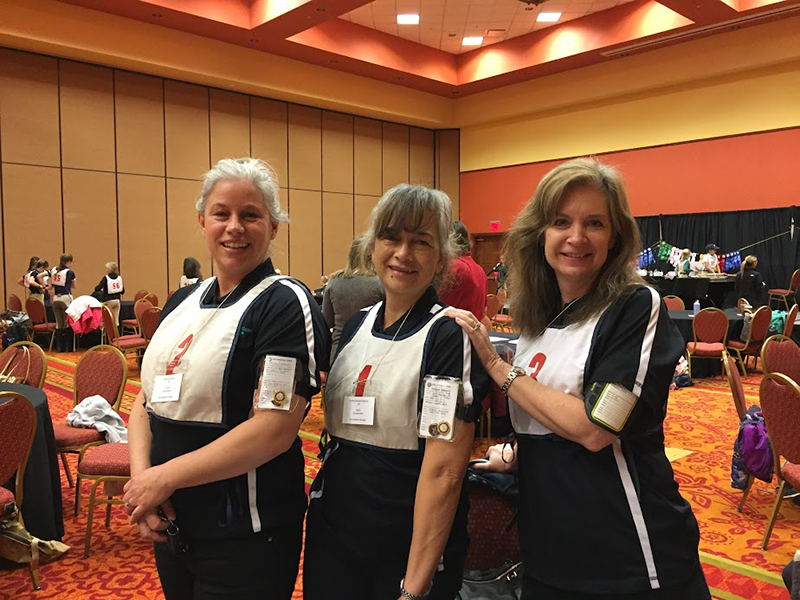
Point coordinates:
[(477, 326)]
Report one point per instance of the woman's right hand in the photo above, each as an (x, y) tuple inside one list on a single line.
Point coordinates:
[(502, 458)]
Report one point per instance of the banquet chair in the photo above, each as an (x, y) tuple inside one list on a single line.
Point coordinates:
[(109, 465), (791, 317), (152, 299), (140, 294), (735, 383), (149, 322), (710, 330), (101, 371), (133, 325), (759, 327), (492, 307), (17, 430), (14, 303), (124, 343), (38, 316), (674, 303), (780, 405), (780, 354), (781, 295), (32, 371)]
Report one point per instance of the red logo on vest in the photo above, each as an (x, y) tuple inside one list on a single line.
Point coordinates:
[(537, 362)]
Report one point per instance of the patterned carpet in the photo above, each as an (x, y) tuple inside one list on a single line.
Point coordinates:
[(700, 429)]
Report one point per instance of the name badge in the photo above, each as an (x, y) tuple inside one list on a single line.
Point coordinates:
[(167, 388), (358, 410), (439, 397), (277, 383)]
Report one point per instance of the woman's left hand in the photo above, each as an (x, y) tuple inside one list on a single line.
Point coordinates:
[(477, 334), (146, 491)]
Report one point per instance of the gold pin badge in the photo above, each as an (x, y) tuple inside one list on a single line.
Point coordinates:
[(433, 429), (444, 428), (279, 398)]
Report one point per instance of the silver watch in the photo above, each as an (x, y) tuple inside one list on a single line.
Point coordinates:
[(512, 375)]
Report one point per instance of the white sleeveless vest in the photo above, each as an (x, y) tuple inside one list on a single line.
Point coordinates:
[(557, 359), (204, 363), (394, 382), (60, 278), (114, 286)]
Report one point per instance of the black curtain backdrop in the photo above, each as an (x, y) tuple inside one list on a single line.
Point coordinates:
[(777, 258)]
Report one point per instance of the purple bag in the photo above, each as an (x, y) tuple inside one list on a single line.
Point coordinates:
[(756, 449)]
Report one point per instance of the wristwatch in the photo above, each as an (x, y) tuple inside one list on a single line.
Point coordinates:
[(409, 596), (512, 375)]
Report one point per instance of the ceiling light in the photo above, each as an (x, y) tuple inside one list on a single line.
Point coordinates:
[(472, 41), (408, 19), (548, 17)]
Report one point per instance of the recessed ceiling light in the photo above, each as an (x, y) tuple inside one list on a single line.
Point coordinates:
[(548, 17), (410, 19), (472, 41)]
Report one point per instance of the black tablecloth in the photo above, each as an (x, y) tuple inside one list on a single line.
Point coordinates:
[(710, 291), (683, 319), (41, 506)]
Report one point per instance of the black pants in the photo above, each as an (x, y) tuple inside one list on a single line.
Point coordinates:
[(329, 573), (693, 589), (261, 566)]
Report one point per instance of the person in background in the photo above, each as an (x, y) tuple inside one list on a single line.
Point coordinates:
[(218, 453), (36, 286), (465, 285), (600, 513), (711, 260), (348, 291), (191, 272), (319, 292), (24, 280), (501, 273), (684, 263), (63, 281), (749, 284), (110, 289)]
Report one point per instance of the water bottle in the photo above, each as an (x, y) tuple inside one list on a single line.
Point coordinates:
[(696, 307)]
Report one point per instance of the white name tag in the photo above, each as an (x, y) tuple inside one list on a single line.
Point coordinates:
[(358, 410), (439, 399), (167, 388), (614, 406), (277, 383)]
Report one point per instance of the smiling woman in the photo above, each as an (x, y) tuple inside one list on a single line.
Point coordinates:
[(225, 383)]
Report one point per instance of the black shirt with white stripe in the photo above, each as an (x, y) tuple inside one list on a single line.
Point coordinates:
[(613, 521), (279, 322)]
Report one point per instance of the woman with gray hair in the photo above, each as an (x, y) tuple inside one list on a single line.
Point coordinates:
[(600, 512), (388, 511), (217, 469), (110, 289)]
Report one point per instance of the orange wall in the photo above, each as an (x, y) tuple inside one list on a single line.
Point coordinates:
[(736, 173)]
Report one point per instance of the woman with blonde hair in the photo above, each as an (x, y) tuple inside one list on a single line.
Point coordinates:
[(600, 512), (749, 284), (110, 289)]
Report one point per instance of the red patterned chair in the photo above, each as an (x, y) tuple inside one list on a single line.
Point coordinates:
[(781, 294), (780, 354), (152, 299), (124, 343), (38, 316), (501, 320), (791, 317), (149, 322), (674, 303), (140, 294), (780, 405), (710, 330), (133, 324), (14, 303), (25, 360), (735, 383), (759, 327), (17, 429), (103, 371), (109, 465)]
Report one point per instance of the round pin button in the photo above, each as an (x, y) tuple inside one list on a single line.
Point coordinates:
[(279, 398), (433, 429), (444, 428)]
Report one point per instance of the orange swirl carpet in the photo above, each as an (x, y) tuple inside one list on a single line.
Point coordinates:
[(700, 430)]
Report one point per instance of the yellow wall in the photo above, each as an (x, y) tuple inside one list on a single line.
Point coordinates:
[(728, 84)]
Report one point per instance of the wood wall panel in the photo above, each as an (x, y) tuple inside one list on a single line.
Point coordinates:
[(183, 231), (143, 236), (230, 125), (187, 133), (362, 207), (3, 296), (279, 248), (29, 108), (447, 166), (337, 152), (395, 155), (90, 225), (87, 116), (31, 218), (305, 240), (139, 106), (367, 157), (269, 123), (421, 157), (337, 230), (305, 148)]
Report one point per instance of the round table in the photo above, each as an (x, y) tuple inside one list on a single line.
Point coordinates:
[(41, 507)]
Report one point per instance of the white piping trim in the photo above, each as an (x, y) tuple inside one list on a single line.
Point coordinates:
[(636, 513), (647, 341), (469, 394), (255, 519), (301, 297)]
